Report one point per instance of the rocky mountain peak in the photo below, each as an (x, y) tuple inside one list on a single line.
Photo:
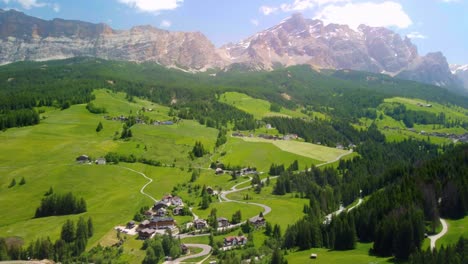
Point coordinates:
[(24, 37)]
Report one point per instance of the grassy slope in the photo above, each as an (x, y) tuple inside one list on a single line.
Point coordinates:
[(45, 154), (257, 107), (359, 256), (456, 229), (316, 152), (260, 155)]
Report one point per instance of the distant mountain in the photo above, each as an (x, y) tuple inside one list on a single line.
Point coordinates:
[(24, 37), (294, 41), (297, 40), (461, 71)]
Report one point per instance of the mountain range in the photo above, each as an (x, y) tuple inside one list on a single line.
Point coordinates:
[(296, 40)]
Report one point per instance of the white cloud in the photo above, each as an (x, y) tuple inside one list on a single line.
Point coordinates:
[(267, 10), (56, 7), (153, 6), (385, 14), (416, 35), (26, 4), (165, 23), (450, 1), (254, 22), (298, 5)]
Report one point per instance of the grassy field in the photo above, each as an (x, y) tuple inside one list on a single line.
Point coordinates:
[(285, 209), (257, 107), (456, 229), (313, 151), (260, 155), (45, 156), (360, 255)]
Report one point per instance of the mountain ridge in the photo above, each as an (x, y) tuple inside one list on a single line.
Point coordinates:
[(295, 40)]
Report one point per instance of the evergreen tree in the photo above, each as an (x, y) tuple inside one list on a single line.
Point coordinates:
[(12, 183), (99, 127), (22, 181), (68, 231), (90, 227)]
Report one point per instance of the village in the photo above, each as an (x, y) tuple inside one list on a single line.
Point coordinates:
[(159, 220)]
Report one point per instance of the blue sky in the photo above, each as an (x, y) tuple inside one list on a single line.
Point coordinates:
[(434, 25)]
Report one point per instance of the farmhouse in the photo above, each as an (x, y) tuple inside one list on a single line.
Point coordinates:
[(131, 224), (161, 212), (219, 171), (200, 223), (177, 201), (82, 159), (209, 190), (178, 210), (146, 233), (313, 256), (101, 161), (144, 224), (185, 250), (235, 241), (222, 222), (257, 221), (162, 222), (159, 205)]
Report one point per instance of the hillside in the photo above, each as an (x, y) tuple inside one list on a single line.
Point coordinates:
[(327, 153)]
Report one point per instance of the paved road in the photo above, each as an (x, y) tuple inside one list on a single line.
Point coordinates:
[(142, 190), (205, 251), (434, 238)]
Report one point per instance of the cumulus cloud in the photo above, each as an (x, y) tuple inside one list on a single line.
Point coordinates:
[(416, 35), (385, 14), (267, 10), (56, 7), (153, 6), (26, 4), (298, 5), (166, 23), (254, 22)]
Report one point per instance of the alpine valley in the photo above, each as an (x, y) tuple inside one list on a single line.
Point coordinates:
[(304, 143)]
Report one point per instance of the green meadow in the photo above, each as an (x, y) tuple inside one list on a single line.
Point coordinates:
[(456, 229), (313, 151), (45, 156), (261, 155), (257, 107), (360, 255)]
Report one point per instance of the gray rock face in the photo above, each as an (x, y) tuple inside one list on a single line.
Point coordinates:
[(27, 38), (461, 71), (297, 40)]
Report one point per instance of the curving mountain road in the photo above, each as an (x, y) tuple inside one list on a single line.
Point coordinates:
[(205, 251), (435, 237)]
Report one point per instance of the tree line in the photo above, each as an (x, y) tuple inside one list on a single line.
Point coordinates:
[(71, 244), (60, 204)]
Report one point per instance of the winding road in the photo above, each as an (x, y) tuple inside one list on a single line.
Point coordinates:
[(205, 251), (435, 237)]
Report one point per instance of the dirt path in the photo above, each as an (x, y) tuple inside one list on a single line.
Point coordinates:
[(142, 190), (435, 237)]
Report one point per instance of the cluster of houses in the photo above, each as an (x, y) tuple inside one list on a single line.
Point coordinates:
[(158, 217), (138, 120), (455, 138), (268, 136), (424, 105), (231, 241), (84, 159)]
